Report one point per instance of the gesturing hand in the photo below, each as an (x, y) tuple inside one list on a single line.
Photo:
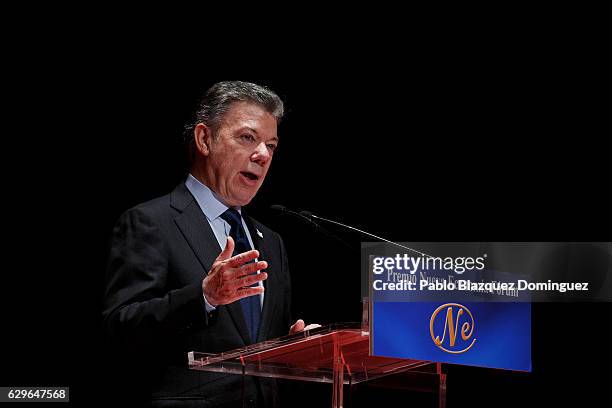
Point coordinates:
[(230, 277)]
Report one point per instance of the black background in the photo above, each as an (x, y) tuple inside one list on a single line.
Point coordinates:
[(487, 147)]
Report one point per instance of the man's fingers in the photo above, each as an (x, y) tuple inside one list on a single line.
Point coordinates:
[(246, 292), (246, 281), (242, 258), (235, 273), (297, 327), (227, 251)]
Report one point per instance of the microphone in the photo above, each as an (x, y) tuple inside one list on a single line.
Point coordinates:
[(309, 216), (304, 215), (282, 208)]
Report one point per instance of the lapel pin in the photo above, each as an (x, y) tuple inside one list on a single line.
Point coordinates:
[(259, 233)]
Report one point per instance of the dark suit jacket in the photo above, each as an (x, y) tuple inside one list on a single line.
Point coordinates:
[(154, 308)]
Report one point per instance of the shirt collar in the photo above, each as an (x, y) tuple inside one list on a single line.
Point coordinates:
[(209, 202)]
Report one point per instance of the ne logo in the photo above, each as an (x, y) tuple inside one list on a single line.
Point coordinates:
[(451, 325)]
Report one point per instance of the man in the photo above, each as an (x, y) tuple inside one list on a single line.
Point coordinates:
[(190, 271)]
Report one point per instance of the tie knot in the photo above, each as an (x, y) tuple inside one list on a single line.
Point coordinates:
[(233, 218)]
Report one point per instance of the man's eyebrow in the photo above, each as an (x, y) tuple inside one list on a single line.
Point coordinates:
[(247, 128), (275, 138)]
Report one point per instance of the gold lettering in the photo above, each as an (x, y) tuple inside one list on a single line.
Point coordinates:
[(467, 329)]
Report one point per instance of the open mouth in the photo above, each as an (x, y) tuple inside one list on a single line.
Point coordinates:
[(250, 176)]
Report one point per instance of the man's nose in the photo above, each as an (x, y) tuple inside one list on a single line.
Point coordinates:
[(261, 154)]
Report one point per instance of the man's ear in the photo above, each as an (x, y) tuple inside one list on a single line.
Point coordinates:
[(202, 136)]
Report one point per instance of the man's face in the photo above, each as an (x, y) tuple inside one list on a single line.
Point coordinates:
[(240, 152)]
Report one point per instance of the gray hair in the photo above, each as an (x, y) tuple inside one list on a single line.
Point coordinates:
[(218, 99)]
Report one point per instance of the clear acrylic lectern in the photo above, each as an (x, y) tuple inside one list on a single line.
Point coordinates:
[(336, 354)]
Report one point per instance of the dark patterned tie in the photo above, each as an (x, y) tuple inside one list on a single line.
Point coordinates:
[(250, 305)]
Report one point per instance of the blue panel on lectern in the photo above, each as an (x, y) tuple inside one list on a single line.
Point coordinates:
[(486, 334)]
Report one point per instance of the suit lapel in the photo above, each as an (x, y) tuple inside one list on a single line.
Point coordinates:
[(201, 239), (199, 235)]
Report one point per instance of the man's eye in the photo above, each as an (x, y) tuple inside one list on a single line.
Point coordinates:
[(248, 137), (271, 146)]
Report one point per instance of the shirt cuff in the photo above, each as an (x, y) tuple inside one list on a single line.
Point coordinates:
[(208, 306)]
